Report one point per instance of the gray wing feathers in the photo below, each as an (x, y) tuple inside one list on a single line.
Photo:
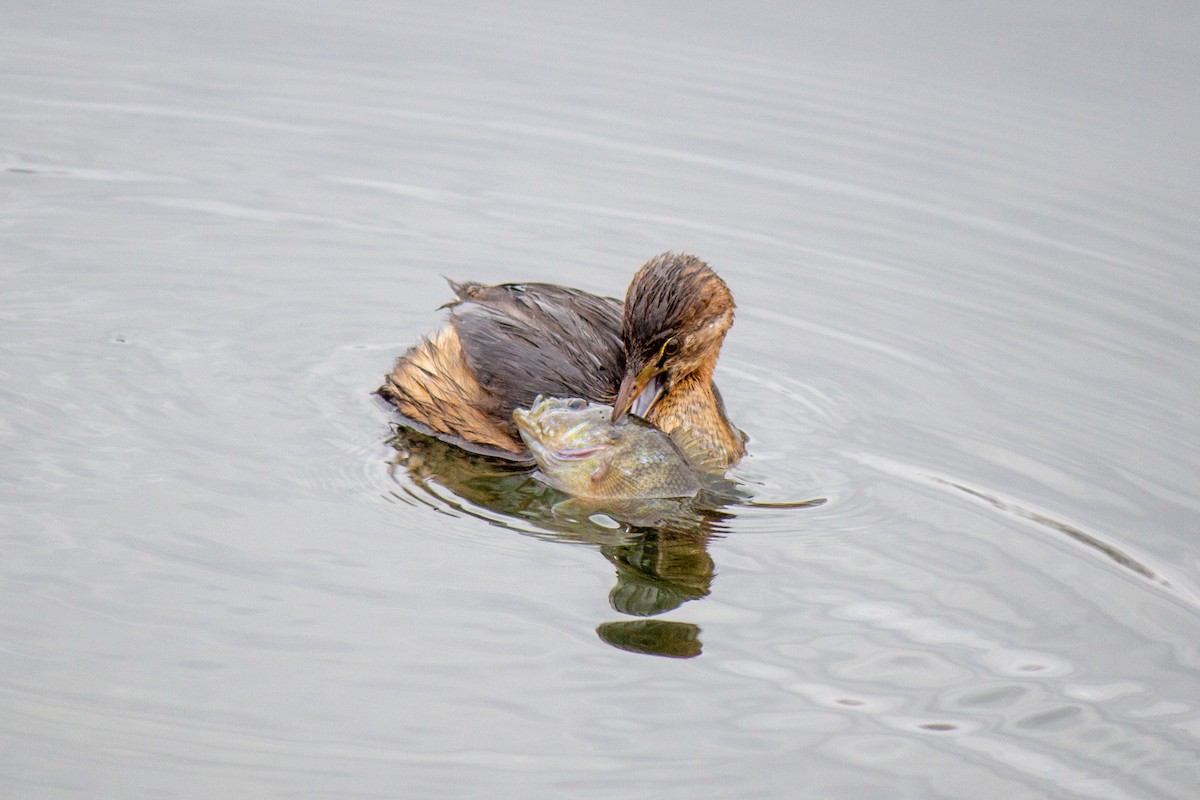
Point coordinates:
[(522, 340)]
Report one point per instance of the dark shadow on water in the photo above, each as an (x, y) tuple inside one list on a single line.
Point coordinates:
[(659, 548)]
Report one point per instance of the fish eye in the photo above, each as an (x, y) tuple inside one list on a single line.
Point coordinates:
[(614, 434), (577, 404)]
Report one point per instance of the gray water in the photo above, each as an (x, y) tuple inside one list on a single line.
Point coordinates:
[(963, 241)]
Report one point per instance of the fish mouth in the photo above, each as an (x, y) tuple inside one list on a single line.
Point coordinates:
[(574, 453), (544, 453), (538, 439), (526, 418), (531, 435), (523, 419), (527, 426)]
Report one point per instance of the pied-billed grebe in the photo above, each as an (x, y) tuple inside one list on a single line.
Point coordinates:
[(509, 343)]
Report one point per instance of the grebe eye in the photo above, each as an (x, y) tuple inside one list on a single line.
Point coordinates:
[(577, 404), (671, 347)]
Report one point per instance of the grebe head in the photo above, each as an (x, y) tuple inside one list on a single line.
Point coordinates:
[(676, 314)]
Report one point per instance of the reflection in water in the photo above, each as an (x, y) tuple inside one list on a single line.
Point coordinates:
[(659, 547), (656, 637), (659, 571)]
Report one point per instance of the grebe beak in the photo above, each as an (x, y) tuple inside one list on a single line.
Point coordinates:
[(639, 392)]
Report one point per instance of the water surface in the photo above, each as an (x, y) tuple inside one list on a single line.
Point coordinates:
[(964, 248)]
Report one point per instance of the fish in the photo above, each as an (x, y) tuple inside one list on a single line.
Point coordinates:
[(580, 451)]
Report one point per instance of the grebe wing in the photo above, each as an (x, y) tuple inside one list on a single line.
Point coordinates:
[(525, 339)]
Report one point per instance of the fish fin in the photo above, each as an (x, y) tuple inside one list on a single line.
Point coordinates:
[(601, 471), (699, 453)]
